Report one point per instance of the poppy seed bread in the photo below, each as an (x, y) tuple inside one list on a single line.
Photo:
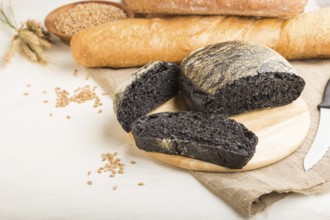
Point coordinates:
[(235, 77), (208, 137), (149, 87)]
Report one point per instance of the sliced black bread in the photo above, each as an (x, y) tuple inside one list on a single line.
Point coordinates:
[(235, 77), (208, 137), (150, 86)]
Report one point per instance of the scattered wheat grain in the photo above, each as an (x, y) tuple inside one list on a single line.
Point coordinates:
[(75, 72)]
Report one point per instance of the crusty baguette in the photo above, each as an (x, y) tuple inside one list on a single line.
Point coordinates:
[(262, 8), (135, 42)]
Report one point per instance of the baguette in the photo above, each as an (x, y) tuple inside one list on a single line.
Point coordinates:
[(136, 42), (262, 8)]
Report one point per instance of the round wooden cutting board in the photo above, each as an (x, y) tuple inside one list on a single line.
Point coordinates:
[(280, 130)]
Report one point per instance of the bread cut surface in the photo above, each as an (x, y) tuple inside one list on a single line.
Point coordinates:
[(236, 76), (149, 87), (208, 137)]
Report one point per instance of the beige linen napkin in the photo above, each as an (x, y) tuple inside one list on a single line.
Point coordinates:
[(251, 192)]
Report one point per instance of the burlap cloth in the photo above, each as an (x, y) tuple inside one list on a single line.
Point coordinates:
[(253, 191)]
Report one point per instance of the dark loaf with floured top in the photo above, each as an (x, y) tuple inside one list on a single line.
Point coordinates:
[(207, 137), (235, 77), (148, 88)]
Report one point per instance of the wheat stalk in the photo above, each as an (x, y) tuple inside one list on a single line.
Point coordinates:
[(28, 52), (11, 50), (30, 38)]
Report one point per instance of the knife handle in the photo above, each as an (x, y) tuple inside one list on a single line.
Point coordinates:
[(326, 97)]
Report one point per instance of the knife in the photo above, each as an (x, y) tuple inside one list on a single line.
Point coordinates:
[(321, 142)]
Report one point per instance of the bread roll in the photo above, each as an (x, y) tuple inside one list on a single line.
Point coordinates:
[(135, 42), (211, 138), (235, 77), (262, 8)]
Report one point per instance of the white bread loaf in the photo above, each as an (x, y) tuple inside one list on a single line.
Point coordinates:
[(262, 8), (138, 41)]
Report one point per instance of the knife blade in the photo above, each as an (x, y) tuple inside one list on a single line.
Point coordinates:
[(321, 142)]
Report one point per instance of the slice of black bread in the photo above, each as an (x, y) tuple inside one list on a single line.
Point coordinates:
[(149, 87), (207, 137), (235, 77)]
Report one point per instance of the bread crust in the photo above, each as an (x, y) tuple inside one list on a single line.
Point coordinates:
[(262, 8), (138, 41), (235, 77)]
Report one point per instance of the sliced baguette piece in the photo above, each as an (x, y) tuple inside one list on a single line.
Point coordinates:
[(149, 87), (207, 137), (236, 76)]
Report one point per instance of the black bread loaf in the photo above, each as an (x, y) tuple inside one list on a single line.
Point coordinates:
[(208, 137), (235, 77), (150, 86)]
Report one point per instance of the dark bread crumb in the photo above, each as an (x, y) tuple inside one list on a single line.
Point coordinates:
[(235, 77), (248, 93), (153, 85), (207, 137)]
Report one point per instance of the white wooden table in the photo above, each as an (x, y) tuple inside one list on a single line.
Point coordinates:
[(44, 160)]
